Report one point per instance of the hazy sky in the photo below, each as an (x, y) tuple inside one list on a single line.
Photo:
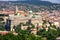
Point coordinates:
[(53, 1)]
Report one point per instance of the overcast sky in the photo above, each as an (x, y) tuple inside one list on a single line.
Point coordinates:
[(53, 1)]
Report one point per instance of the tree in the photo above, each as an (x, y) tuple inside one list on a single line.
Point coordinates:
[(51, 34), (53, 26), (42, 32), (32, 25), (58, 30), (44, 22)]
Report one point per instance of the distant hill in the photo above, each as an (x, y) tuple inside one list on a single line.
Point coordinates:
[(35, 2)]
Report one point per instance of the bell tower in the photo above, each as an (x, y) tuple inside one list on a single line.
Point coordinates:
[(16, 10)]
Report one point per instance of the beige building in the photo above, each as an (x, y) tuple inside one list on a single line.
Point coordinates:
[(24, 27), (33, 31), (17, 19)]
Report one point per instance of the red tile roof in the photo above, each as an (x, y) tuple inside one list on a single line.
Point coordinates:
[(4, 32), (6, 12)]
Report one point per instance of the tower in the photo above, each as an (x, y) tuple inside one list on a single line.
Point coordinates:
[(3, 9), (16, 9)]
